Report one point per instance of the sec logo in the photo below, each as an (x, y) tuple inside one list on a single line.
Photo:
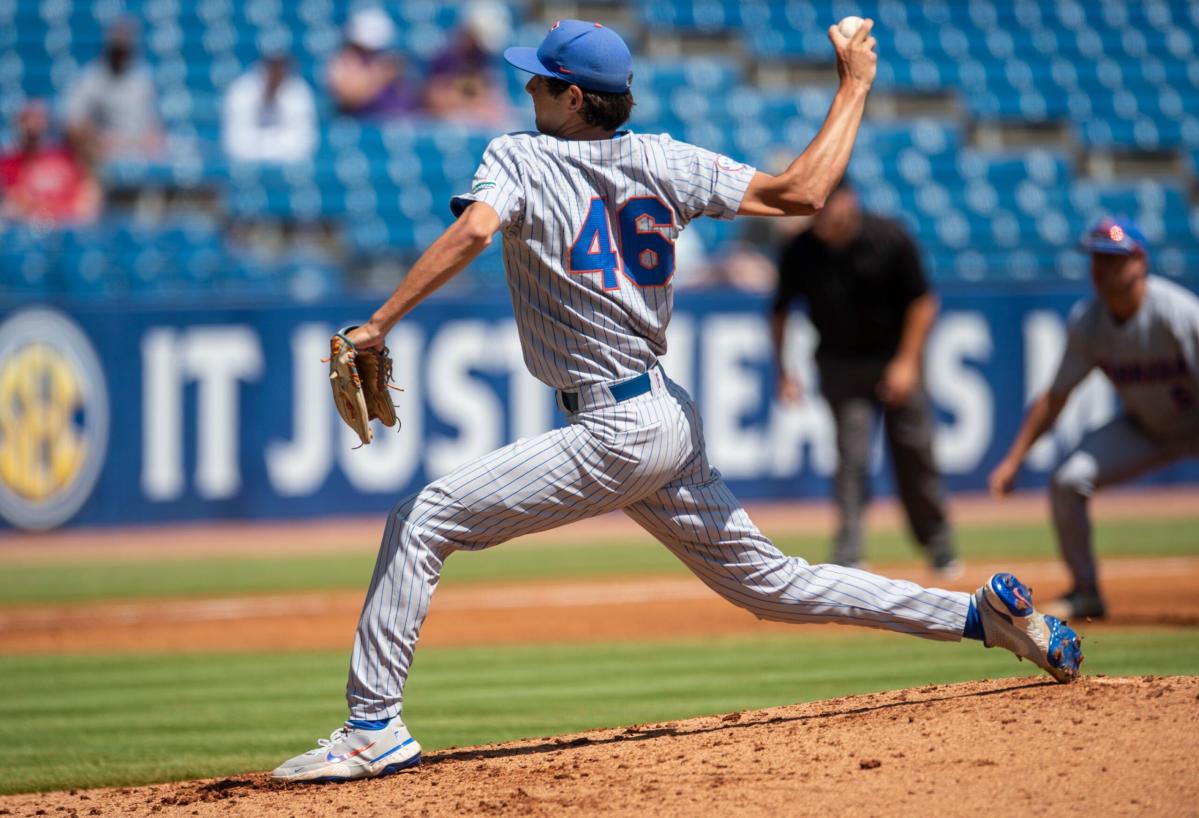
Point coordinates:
[(728, 165), (53, 419)]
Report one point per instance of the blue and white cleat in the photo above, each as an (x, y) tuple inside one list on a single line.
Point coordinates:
[(354, 751), (1010, 621)]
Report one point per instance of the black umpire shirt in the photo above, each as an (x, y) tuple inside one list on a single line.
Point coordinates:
[(857, 295)]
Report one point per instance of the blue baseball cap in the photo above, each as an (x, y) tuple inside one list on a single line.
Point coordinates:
[(581, 53), (1117, 236)]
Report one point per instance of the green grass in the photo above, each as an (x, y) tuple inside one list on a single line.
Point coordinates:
[(89, 580), (78, 721)]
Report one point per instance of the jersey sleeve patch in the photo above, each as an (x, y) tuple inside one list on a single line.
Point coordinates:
[(705, 183), (497, 183)]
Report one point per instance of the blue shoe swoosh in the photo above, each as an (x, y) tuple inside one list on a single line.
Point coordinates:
[(392, 750)]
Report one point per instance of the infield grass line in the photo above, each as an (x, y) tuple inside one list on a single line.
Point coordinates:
[(141, 718)]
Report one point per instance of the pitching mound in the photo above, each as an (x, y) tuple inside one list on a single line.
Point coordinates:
[(1102, 746)]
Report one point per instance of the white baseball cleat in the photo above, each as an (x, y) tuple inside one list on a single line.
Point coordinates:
[(1010, 621), (354, 751)]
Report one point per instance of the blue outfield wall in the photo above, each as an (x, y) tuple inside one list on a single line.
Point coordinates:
[(223, 413)]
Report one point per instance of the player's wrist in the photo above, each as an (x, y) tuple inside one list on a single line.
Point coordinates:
[(855, 89), (380, 324)]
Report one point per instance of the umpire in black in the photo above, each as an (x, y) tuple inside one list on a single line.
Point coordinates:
[(870, 301)]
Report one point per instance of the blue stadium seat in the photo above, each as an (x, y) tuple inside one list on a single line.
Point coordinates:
[(1123, 74), (26, 263)]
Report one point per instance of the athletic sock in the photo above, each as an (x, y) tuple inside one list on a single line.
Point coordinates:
[(366, 724), (974, 624)]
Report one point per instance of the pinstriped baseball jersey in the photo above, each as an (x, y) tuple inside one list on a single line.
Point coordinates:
[(588, 241)]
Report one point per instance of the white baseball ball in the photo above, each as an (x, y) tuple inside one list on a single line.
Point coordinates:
[(849, 25)]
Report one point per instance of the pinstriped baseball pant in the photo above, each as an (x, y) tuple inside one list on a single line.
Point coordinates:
[(644, 456)]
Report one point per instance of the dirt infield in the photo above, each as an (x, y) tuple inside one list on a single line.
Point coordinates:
[(1102, 746), (1141, 592)]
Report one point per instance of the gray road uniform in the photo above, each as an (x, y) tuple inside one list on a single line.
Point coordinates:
[(588, 229), (1152, 359)]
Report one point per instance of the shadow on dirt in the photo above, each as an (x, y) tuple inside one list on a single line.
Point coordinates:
[(729, 723)]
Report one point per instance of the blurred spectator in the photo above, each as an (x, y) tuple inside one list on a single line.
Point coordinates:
[(463, 83), (111, 109), (870, 301), (366, 78), (269, 114), (44, 182)]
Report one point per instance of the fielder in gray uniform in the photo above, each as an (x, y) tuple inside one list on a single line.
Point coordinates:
[(589, 215), (1143, 333)]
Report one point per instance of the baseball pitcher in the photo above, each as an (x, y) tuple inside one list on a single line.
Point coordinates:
[(589, 215)]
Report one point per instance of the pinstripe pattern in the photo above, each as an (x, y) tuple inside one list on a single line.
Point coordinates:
[(572, 331), (645, 455)]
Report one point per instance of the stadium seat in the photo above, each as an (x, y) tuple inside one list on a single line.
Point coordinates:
[(1123, 76)]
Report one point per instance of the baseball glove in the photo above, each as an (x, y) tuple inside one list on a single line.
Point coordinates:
[(361, 379)]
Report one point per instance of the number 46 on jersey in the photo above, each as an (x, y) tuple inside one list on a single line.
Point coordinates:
[(641, 250)]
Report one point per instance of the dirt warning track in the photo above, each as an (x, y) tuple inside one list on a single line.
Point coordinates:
[(1101, 746)]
